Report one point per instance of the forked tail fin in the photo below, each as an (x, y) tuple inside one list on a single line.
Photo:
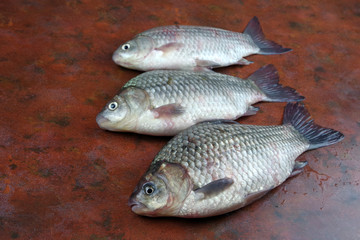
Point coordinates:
[(267, 79), (297, 115), (267, 47)]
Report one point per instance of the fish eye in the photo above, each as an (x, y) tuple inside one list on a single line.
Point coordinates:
[(125, 46), (112, 106), (149, 188)]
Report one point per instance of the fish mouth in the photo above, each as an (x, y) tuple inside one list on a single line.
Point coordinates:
[(116, 58), (101, 121), (119, 60), (135, 205)]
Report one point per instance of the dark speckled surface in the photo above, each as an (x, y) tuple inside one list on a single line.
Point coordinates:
[(61, 177)]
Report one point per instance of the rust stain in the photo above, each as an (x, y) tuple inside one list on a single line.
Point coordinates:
[(7, 186)]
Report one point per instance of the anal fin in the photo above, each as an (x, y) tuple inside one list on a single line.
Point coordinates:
[(298, 168), (214, 188), (251, 111), (243, 61)]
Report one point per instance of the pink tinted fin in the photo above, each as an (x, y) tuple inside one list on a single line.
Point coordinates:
[(267, 47), (213, 188), (298, 168), (168, 110), (251, 111), (267, 80), (173, 46), (243, 61), (206, 63)]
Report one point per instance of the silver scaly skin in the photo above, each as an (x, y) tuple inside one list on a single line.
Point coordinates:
[(214, 168), (193, 47), (255, 158), (164, 102)]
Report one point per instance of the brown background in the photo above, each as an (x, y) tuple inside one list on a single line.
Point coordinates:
[(61, 177)]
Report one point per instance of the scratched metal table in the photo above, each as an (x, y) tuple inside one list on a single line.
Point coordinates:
[(61, 177)]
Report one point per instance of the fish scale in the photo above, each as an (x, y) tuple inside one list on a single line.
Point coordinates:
[(253, 173), (220, 137), (214, 168), (193, 36), (212, 87), (164, 102), (194, 47)]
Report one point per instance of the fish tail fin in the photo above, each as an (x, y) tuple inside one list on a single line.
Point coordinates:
[(297, 115), (267, 79), (267, 47)]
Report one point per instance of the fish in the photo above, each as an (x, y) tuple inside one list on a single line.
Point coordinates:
[(217, 167), (165, 102), (194, 47)]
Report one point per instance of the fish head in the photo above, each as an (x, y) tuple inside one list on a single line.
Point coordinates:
[(161, 191), (121, 112), (113, 114), (133, 52)]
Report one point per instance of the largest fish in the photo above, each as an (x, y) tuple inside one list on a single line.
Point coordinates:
[(214, 168), (165, 102), (194, 47)]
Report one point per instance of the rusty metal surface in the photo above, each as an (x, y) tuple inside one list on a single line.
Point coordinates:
[(61, 177)]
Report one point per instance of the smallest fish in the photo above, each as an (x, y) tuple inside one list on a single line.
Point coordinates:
[(194, 47)]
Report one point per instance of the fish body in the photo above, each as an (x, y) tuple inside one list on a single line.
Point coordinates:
[(165, 102), (193, 47), (214, 168)]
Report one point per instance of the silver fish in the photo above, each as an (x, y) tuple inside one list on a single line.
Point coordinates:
[(194, 47), (165, 102), (213, 168)]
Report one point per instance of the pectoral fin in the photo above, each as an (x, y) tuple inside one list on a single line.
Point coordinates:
[(214, 188), (173, 46), (168, 110)]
